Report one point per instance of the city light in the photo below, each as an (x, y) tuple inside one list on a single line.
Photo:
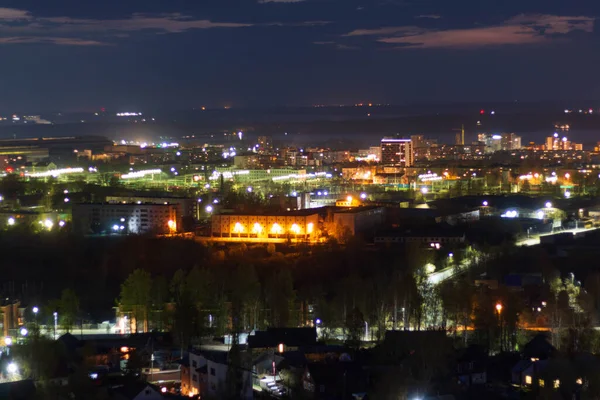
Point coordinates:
[(540, 214), (238, 228), (249, 189), (23, 332), (349, 199), (567, 194), (141, 174), (171, 224), (8, 341), (499, 307), (295, 229), (66, 200), (548, 204), (485, 203), (12, 368), (510, 214), (115, 227), (209, 209), (363, 196), (35, 310), (55, 172), (48, 224), (276, 229), (11, 221), (310, 227), (424, 190), (257, 228)]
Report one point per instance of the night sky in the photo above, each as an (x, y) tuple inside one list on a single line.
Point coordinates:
[(71, 55)]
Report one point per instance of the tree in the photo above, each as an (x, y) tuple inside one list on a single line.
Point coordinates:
[(280, 296), (68, 309), (135, 297), (355, 325)]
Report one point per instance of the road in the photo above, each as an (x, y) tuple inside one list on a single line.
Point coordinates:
[(535, 239), (440, 276)]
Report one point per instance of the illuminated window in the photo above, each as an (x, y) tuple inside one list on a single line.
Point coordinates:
[(556, 384), (295, 229), (579, 381), (238, 228), (257, 228), (541, 383), (276, 229), (528, 380), (310, 227)]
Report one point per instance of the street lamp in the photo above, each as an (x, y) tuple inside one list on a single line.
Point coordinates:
[(499, 309), (24, 332), (55, 314), (12, 368)]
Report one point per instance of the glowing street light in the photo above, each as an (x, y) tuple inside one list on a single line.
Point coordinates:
[(567, 194), (48, 224), (35, 310), (209, 209), (485, 203), (12, 368), (499, 308), (61, 223), (363, 196), (11, 221), (548, 204), (23, 332), (171, 224), (424, 190), (8, 341)]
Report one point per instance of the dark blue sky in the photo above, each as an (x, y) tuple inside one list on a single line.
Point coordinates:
[(134, 54)]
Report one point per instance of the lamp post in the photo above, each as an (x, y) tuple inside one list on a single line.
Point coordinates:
[(55, 323), (499, 310), (35, 310)]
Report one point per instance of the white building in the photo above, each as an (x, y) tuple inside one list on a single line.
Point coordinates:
[(130, 218)]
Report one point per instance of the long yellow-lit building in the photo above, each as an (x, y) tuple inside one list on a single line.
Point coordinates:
[(299, 225)]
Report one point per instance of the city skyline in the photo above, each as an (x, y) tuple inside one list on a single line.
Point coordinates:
[(282, 52)]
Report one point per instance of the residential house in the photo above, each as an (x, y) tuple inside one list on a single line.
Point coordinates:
[(137, 391)]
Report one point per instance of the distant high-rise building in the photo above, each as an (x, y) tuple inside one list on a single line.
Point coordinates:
[(499, 142), (265, 144), (397, 152), (555, 142), (422, 146)]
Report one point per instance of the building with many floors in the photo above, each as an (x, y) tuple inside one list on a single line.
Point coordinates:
[(128, 218), (397, 152)]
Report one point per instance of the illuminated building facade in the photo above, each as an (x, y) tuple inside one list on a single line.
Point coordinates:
[(131, 218), (300, 225), (397, 152)]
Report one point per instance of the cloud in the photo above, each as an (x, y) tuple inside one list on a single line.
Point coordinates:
[(429, 16), (390, 30), (62, 41), (57, 30), (519, 30), (12, 14), (338, 46)]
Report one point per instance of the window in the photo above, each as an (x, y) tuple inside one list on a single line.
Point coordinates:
[(556, 383), (541, 383), (194, 364), (528, 380), (212, 371)]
